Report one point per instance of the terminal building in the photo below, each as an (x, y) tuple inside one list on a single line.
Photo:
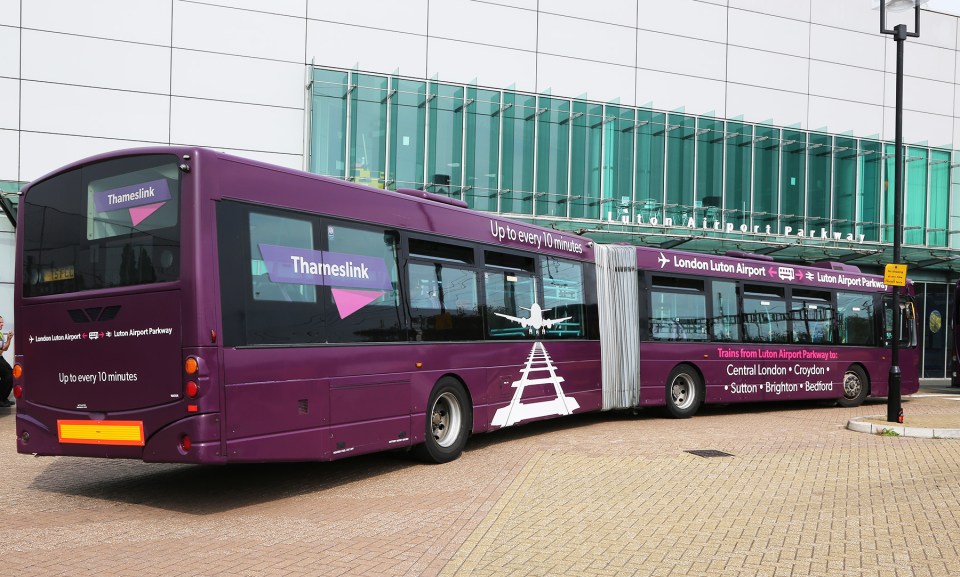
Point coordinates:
[(703, 125)]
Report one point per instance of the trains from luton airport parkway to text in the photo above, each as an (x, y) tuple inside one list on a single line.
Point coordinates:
[(178, 304)]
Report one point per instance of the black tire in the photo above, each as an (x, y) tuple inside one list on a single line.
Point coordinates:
[(449, 422), (685, 392), (856, 387)]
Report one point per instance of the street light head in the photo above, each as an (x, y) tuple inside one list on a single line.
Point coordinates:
[(898, 5)]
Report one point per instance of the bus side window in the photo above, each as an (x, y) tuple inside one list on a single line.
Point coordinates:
[(279, 231), (812, 315), (510, 292), (725, 322), (380, 317), (678, 309), (764, 314), (563, 297), (855, 319)]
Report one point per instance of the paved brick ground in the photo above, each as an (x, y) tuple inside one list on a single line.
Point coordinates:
[(603, 494)]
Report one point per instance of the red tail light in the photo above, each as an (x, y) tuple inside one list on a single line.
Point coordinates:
[(192, 389), (185, 443), (17, 391)]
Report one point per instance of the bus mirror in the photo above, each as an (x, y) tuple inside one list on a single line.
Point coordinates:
[(909, 312)]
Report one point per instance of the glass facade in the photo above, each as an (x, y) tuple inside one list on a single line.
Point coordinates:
[(539, 155)]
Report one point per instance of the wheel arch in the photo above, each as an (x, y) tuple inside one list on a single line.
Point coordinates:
[(696, 368)]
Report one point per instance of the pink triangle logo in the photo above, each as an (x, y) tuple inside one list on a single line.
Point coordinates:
[(139, 213), (350, 301)]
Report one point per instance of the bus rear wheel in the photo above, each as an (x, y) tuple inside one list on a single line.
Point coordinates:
[(449, 421), (684, 392), (856, 387)]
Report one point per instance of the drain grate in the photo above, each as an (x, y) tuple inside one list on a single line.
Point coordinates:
[(708, 453)]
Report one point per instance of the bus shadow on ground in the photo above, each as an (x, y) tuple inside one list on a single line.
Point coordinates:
[(208, 489), (212, 489)]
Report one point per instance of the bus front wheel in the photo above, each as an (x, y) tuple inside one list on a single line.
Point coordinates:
[(449, 421), (856, 387), (684, 392)]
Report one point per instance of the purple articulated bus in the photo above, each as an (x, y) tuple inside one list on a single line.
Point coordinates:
[(741, 328), (182, 305)]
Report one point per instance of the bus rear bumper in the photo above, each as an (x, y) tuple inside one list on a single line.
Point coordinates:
[(164, 446), (203, 431)]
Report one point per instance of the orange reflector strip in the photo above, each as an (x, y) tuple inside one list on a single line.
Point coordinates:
[(101, 432), (192, 408)]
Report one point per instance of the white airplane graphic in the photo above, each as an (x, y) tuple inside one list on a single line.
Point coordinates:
[(535, 322), (662, 260)]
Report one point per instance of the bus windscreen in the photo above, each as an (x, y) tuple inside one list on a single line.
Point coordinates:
[(109, 224)]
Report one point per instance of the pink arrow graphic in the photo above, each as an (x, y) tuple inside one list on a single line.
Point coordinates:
[(799, 275), (772, 271)]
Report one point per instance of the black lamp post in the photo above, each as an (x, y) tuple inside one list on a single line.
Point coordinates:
[(900, 34)]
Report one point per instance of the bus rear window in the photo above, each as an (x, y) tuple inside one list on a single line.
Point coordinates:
[(109, 224)]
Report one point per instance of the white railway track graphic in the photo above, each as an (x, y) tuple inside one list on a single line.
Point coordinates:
[(542, 368)]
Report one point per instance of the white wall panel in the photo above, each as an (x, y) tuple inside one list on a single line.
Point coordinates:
[(286, 7), (846, 82), (757, 104), (771, 33), (956, 112), (766, 69), (918, 127), (370, 50), (670, 91), (76, 110), (42, 153), (9, 155), (847, 14), (10, 12), (69, 59), (935, 29), (238, 126), (455, 61), (610, 11), (9, 103), (238, 79), (924, 61), (571, 78), (147, 21), (685, 18), (846, 47), (406, 16), (241, 32), (796, 9), (485, 24), (921, 94), (593, 40), (688, 56), (9, 52), (840, 116)]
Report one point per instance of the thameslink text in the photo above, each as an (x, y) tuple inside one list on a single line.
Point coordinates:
[(346, 270), (143, 193)]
